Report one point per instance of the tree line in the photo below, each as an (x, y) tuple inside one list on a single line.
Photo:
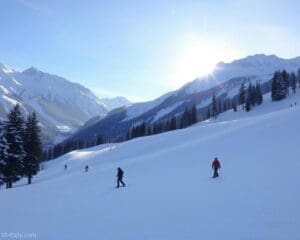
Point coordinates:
[(187, 118), (20, 147), (247, 98), (282, 83), (71, 145)]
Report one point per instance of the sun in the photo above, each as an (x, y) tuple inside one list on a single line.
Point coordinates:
[(199, 58)]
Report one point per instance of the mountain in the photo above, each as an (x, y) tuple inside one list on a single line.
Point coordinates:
[(170, 193), (61, 105), (117, 102), (251, 66), (224, 82)]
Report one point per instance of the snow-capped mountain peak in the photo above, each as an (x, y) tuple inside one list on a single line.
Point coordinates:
[(254, 65), (58, 102), (5, 69)]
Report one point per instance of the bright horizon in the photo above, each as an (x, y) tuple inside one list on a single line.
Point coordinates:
[(138, 49)]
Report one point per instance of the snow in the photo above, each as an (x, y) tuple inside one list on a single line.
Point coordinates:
[(10, 100), (56, 100), (170, 193), (166, 110), (113, 103), (64, 128), (258, 66), (137, 109)]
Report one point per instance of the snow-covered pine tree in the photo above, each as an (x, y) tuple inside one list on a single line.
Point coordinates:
[(14, 133), (32, 147)]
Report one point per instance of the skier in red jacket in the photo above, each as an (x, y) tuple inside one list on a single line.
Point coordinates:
[(215, 166)]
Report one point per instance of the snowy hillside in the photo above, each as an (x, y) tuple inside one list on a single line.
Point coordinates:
[(62, 106), (170, 194), (225, 82), (258, 65)]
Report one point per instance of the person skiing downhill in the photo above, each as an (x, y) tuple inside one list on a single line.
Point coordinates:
[(215, 166), (120, 178), (86, 168)]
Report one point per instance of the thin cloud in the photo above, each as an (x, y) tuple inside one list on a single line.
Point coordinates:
[(37, 7)]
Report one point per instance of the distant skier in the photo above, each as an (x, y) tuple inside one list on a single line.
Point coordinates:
[(215, 166), (86, 168), (120, 178), (66, 167)]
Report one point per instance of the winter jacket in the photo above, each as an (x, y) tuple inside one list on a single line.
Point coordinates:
[(216, 164), (120, 173)]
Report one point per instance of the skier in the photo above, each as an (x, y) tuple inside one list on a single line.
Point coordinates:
[(215, 166), (86, 168), (120, 178), (66, 167)]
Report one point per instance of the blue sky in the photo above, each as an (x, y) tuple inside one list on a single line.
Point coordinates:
[(142, 49)]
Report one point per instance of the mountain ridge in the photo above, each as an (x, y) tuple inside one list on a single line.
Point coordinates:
[(224, 82), (62, 106)]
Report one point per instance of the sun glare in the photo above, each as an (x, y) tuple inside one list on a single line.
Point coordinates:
[(199, 58)]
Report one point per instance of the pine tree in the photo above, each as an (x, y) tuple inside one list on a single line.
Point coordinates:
[(184, 118), (33, 148), (208, 113), (225, 108), (259, 96), (251, 95), (220, 109), (242, 95), (293, 83), (3, 153), (298, 77), (248, 104), (234, 106), (193, 113), (100, 139), (214, 107), (279, 86), (14, 133), (172, 124), (285, 83)]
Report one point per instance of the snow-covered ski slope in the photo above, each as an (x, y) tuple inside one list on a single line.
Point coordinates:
[(170, 193)]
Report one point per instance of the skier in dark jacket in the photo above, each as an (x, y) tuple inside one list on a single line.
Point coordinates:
[(215, 166), (120, 177), (86, 168)]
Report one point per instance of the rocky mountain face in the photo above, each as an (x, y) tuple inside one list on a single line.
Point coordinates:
[(61, 105)]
